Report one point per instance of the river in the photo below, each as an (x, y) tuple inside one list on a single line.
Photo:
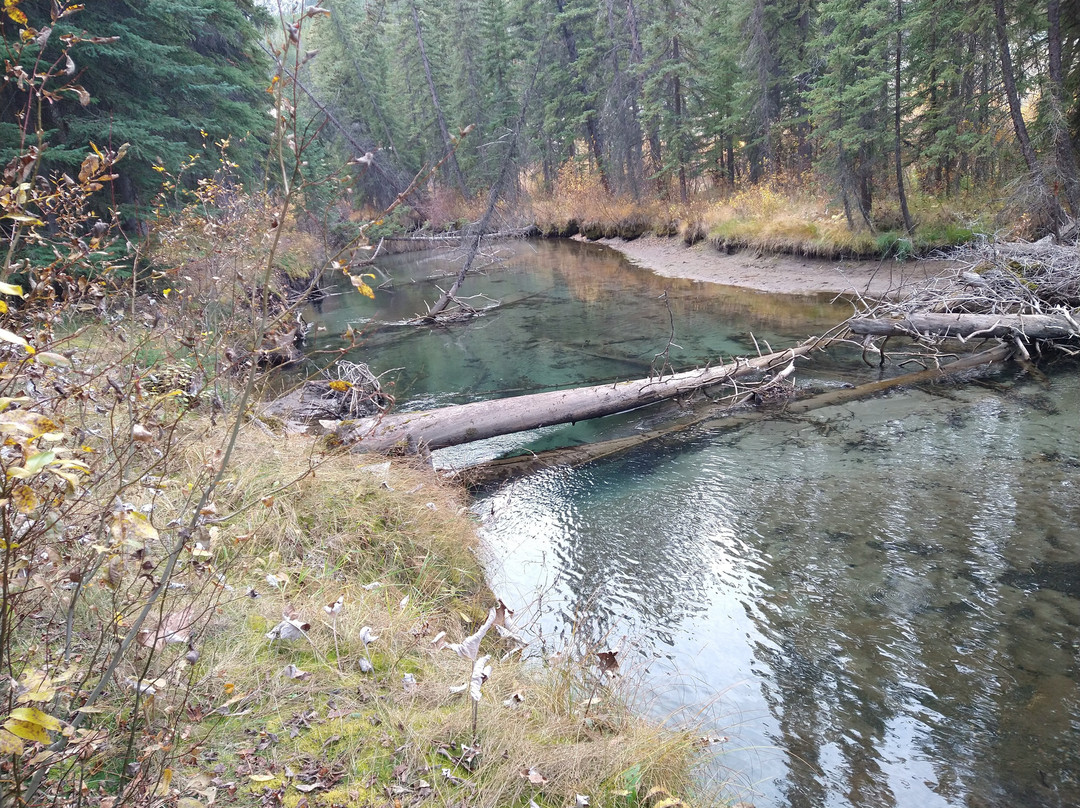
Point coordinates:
[(877, 604)]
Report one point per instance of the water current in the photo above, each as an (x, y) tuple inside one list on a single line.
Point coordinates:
[(877, 604)]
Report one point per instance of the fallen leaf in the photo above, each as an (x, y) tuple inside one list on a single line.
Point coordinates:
[(288, 629), (470, 646), (608, 663), (292, 672), (174, 628), (262, 778), (534, 777)]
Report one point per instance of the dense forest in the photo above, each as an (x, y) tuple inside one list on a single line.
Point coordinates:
[(866, 100), (676, 98)]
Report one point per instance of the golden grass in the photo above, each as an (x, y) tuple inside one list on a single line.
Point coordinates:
[(299, 529), (788, 218)]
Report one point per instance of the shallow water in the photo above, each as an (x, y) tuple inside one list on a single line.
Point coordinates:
[(878, 603)]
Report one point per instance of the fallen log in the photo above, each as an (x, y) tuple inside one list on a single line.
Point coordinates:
[(731, 417), (1025, 326), (449, 426)]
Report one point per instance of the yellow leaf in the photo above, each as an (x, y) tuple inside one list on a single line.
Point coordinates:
[(340, 385), (12, 9), (15, 339), (11, 289), (33, 424), (27, 731), (25, 499), (133, 528), (10, 744), (35, 686), (3, 307), (32, 715), (52, 359), (362, 287), (262, 778)]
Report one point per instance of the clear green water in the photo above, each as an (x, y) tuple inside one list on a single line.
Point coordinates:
[(879, 603)]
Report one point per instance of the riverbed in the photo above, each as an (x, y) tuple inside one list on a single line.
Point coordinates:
[(873, 604)]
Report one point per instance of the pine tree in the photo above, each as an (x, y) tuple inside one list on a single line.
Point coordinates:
[(179, 73), (851, 100)]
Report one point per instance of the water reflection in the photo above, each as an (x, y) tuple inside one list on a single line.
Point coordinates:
[(569, 314), (893, 578)]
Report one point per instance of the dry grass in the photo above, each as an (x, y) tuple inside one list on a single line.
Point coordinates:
[(770, 217), (302, 529)]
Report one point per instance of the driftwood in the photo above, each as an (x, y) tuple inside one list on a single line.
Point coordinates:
[(1025, 326), (449, 426), (731, 417), (452, 238)]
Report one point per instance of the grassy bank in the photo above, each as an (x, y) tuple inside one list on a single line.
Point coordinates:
[(765, 218), (396, 545)]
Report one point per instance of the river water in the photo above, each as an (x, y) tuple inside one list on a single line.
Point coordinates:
[(877, 604)]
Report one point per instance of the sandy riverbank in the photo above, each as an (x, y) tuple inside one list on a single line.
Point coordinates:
[(775, 273)]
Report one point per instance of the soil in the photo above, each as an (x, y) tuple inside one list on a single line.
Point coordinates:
[(785, 274)]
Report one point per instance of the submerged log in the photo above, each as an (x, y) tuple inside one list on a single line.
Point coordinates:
[(1025, 326), (449, 426), (732, 417)]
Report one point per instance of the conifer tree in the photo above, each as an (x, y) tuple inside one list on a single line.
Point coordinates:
[(175, 75)]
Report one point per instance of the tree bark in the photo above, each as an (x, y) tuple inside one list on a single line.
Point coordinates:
[(1024, 326), (448, 144), (449, 426)]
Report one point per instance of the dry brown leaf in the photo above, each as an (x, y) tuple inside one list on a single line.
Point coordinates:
[(534, 777), (608, 663)]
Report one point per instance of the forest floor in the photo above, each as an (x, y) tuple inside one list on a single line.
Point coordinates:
[(784, 274)]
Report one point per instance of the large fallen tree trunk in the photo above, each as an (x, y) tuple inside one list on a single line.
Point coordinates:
[(506, 468), (1025, 326), (449, 426)]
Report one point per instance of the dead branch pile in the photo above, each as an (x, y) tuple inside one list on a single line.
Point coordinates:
[(1024, 291), (1002, 278), (355, 389), (347, 390)]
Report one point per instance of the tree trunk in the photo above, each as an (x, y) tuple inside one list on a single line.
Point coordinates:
[(908, 226), (511, 467), (680, 135), (449, 426), (1025, 326), (1055, 213), (1066, 157), (448, 144), (1009, 79)]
